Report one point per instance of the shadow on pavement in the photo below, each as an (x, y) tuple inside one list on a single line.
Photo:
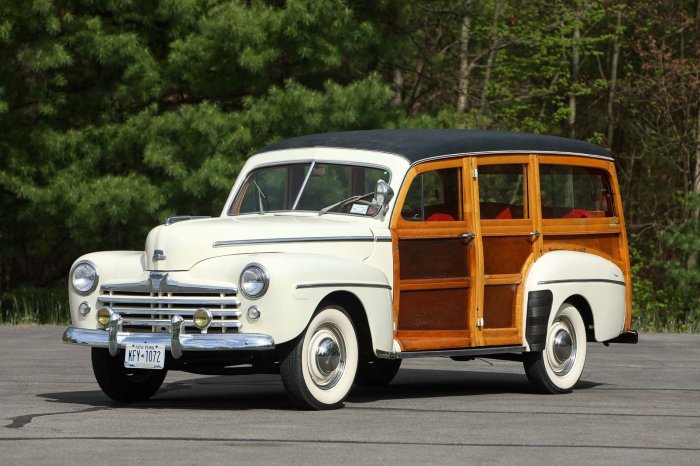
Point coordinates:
[(267, 392)]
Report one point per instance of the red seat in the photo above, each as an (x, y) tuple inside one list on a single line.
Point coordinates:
[(440, 217), (506, 213), (579, 213)]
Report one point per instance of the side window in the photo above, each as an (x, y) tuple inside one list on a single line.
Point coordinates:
[(503, 191), (434, 196), (575, 192)]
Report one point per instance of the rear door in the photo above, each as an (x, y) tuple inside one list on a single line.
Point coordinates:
[(508, 241)]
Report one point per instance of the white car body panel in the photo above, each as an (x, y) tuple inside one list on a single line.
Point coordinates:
[(599, 281)]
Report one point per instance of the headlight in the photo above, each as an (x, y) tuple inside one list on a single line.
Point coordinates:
[(254, 281), (84, 277)]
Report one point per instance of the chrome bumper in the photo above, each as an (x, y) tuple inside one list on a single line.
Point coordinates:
[(176, 341)]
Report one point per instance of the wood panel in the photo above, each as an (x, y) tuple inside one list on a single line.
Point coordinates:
[(505, 254), (442, 309), (499, 306), (608, 244), (412, 340), (433, 258)]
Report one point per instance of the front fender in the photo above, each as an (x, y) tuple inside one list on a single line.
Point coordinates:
[(298, 283), (111, 266), (597, 280)]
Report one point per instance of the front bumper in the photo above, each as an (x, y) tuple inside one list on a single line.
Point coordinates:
[(176, 341)]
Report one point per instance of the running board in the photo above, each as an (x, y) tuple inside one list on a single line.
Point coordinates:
[(484, 351)]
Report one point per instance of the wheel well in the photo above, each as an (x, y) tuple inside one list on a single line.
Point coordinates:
[(354, 307), (581, 304)]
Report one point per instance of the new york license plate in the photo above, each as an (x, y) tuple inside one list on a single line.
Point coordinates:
[(144, 356)]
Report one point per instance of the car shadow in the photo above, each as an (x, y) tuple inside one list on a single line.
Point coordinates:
[(267, 392)]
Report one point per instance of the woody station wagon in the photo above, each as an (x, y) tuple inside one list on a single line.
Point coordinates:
[(338, 255)]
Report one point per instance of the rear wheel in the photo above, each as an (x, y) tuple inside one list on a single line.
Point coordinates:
[(319, 367), (376, 372), (122, 384), (559, 366)]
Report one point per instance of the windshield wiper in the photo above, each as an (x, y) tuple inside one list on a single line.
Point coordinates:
[(261, 196), (344, 202)]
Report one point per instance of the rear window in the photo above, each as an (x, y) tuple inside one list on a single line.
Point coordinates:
[(575, 192)]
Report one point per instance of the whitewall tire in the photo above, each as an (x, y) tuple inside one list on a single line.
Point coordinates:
[(319, 367), (559, 366)]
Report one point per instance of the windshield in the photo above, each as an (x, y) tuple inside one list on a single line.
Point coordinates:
[(311, 186)]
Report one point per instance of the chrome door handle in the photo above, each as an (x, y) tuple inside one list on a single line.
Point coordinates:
[(467, 237), (535, 235)]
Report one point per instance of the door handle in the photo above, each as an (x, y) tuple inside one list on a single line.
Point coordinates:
[(535, 235), (467, 237)]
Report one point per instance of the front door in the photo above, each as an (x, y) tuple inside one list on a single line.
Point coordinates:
[(432, 234), (508, 241)]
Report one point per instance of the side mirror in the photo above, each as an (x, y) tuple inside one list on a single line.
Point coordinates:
[(383, 194)]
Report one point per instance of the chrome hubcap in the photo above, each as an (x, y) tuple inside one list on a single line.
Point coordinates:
[(561, 346), (326, 356)]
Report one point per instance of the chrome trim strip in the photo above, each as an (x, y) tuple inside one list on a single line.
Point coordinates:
[(508, 152), (320, 239), (383, 239), (160, 282), (343, 285), (186, 341), (485, 351), (179, 311), (303, 185), (582, 280), (167, 323), (210, 301), (183, 218)]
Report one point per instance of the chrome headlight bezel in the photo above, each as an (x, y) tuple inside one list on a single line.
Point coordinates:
[(264, 279), (95, 280)]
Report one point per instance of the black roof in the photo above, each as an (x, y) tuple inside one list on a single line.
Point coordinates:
[(419, 144)]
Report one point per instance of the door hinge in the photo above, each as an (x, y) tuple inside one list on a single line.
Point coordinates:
[(475, 173), (480, 322)]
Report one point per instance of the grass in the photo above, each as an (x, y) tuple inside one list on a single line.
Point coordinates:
[(35, 306)]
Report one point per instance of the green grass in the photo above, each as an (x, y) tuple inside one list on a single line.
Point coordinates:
[(35, 306)]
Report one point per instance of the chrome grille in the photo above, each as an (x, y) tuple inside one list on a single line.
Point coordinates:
[(148, 306)]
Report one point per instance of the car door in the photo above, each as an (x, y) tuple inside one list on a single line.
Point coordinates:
[(434, 258), (508, 240)]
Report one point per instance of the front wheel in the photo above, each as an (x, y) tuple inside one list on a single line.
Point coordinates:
[(122, 384), (319, 367), (558, 367)]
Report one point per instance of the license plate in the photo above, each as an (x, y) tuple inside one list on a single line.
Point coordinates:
[(144, 356)]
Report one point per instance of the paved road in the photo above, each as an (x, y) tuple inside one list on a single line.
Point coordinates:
[(635, 404)]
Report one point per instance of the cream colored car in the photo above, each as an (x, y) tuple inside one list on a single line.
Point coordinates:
[(496, 244)]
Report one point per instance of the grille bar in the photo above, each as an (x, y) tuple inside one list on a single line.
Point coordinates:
[(171, 300), (166, 323), (171, 312)]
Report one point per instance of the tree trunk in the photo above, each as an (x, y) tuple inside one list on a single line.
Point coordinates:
[(575, 64), (464, 68), (398, 85), (492, 56), (613, 80)]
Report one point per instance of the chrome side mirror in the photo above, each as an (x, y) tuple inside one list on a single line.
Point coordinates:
[(383, 194)]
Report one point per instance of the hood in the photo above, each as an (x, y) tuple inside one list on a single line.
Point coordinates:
[(181, 245)]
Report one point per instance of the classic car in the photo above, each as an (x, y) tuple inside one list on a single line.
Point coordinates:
[(338, 255)]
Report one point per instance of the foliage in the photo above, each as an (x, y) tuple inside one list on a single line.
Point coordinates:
[(118, 113)]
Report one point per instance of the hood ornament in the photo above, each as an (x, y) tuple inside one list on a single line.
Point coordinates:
[(158, 255)]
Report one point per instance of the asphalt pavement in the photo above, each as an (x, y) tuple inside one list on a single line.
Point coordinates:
[(635, 404)]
